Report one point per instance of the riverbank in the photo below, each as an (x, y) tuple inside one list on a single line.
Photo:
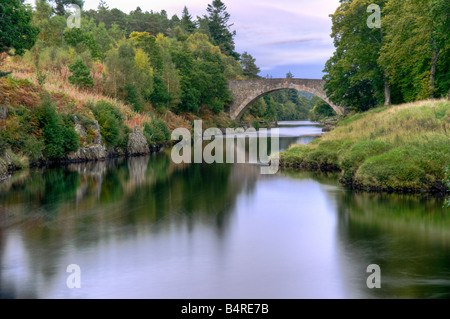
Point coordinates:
[(42, 125), (403, 149)]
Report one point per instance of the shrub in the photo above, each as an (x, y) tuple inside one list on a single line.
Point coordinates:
[(156, 132), (216, 106), (81, 75), (59, 139), (41, 78), (112, 126), (33, 148)]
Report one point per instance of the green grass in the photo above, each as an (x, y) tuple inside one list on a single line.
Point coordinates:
[(397, 148)]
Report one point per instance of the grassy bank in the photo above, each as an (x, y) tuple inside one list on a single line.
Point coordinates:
[(402, 148)]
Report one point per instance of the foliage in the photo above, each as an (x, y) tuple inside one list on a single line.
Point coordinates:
[(20, 134), (59, 138), (81, 75), (156, 132), (219, 29), (248, 63), (407, 59), (417, 47), (186, 22), (41, 77), (112, 125), (354, 77), (60, 6), (321, 110), (16, 32)]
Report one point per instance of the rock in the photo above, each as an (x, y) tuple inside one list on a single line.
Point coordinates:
[(79, 128), (95, 152), (98, 135), (91, 153), (3, 112), (137, 143)]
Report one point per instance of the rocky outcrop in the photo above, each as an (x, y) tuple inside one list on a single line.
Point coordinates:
[(96, 151), (137, 143), (90, 153)]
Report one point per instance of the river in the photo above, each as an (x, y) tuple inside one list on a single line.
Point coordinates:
[(147, 228)]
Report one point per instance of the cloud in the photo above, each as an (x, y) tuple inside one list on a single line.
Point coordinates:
[(284, 33)]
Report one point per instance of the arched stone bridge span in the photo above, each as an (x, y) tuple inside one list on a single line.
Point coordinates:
[(245, 92)]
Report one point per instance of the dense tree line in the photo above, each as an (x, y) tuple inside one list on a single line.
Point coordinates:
[(407, 59), (144, 58)]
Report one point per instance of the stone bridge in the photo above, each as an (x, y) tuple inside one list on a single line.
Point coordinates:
[(245, 92)]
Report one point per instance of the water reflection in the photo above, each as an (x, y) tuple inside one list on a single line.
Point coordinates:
[(147, 228)]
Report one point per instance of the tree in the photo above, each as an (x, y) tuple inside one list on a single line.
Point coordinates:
[(249, 65), (16, 32), (354, 76), (289, 75), (59, 6), (321, 109), (186, 22), (416, 51), (81, 75), (50, 26), (219, 28), (85, 38), (129, 74)]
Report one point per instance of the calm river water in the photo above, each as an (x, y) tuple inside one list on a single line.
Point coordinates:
[(147, 228)]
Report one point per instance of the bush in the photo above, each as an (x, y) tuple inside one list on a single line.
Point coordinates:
[(216, 106), (33, 148), (41, 78), (156, 132), (81, 75), (112, 126), (59, 139)]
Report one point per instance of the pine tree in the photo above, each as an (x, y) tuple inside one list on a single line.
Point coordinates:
[(219, 28), (81, 75), (186, 22), (249, 65)]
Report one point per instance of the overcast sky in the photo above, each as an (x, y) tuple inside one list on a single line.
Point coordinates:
[(283, 35)]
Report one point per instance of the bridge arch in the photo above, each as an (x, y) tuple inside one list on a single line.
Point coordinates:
[(245, 92)]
